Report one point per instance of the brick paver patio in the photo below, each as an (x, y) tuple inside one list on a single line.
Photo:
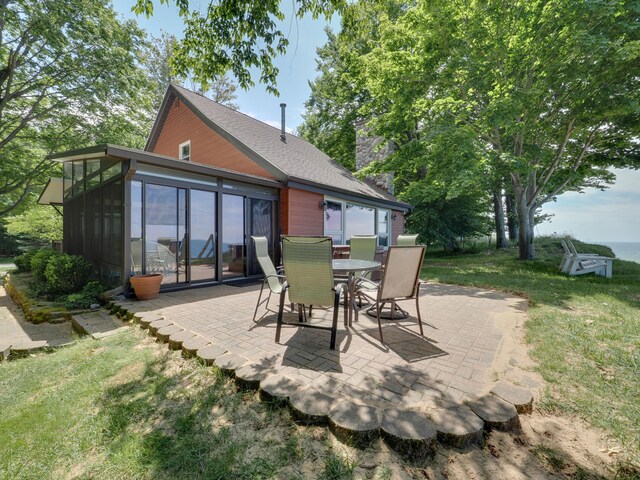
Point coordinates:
[(464, 329)]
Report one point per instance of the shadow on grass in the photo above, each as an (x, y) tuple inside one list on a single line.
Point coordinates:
[(177, 424)]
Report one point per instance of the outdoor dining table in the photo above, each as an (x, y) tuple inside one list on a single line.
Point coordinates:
[(349, 267)]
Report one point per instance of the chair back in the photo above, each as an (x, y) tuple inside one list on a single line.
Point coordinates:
[(572, 248), (401, 271), (261, 245), (363, 247), (407, 240), (308, 270), (565, 247)]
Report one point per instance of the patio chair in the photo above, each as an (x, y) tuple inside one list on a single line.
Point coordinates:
[(362, 247), (309, 280), (589, 263), (401, 281), (273, 277), (407, 240)]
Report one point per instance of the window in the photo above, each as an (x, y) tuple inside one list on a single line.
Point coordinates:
[(342, 220), (184, 151)]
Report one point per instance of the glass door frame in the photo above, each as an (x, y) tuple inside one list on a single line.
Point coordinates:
[(220, 188)]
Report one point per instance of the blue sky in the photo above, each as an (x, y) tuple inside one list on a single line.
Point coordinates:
[(609, 216)]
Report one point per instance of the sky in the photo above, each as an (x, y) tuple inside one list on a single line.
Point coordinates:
[(612, 215)]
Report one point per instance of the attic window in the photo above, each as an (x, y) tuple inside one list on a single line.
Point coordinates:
[(184, 151)]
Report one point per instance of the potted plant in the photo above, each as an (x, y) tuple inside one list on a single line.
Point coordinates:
[(146, 286)]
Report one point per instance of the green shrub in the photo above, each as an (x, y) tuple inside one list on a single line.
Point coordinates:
[(85, 298), (67, 273), (39, 262), (23, 262)]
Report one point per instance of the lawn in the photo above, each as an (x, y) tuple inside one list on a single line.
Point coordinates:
[(584, 331), (127, 408)]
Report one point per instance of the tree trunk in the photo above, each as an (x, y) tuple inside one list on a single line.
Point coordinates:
[(526, 248), (512, 217), (498, 210)]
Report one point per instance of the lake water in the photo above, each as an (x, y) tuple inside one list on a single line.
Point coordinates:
[(625, 250)]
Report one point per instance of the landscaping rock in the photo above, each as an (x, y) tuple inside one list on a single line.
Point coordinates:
[(496, 413), (164, 333), (146, 319), (458, 426), (311, 407), (209, 353), (249, 375), (229, 363), (278, 387), (158, 324), (176, 339), (521, 398), (191, 346), (5, 350), (97, 324), (412, 434), (354, 424)]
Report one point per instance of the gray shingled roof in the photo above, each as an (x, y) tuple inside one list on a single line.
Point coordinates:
[(295, 160)]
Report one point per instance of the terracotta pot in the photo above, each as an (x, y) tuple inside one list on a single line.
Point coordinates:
[(146, 286)]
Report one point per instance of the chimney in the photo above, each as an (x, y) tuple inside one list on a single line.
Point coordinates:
[(283, 106)]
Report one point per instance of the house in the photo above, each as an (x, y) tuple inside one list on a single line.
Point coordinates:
[(208, 178)]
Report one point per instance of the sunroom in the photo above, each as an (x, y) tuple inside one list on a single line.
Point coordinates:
[(132, 212)]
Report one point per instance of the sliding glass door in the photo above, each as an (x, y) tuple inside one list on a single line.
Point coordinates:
[(192, 235), (260, 225), (233, 239), (165, 231), (203, 235)]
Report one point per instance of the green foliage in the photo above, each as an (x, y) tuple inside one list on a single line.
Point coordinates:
[(72, 76), (67, 273), (447, 221), (38, 224), (84, 298), (40, 261), (235, 36), (23, 262), (545, 93)]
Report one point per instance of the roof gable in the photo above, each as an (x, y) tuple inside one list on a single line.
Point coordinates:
[(293, 160)]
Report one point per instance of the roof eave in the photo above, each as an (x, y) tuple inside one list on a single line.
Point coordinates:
[(347, 194)]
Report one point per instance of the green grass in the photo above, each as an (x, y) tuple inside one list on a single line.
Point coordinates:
[(125, 408), (584, 331)]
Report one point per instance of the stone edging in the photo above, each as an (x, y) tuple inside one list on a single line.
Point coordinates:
[(36, 315), (411, 433)]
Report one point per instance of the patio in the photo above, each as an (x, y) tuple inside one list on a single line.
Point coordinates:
[(464, 328)]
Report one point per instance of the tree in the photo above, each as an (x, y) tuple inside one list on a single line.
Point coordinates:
[(69, 76), (159, 64), (548, 89), (236, 36), (37, 225)]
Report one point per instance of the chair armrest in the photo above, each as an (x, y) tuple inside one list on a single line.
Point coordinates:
[(361, 282), (282, 277)]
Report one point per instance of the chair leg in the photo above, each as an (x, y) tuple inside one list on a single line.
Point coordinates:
[(280, 310), (334, 325), (310, 309), (379, 322), (258, 304), (419, 318)]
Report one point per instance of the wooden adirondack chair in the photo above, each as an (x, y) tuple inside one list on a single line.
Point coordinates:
[(581, 263)]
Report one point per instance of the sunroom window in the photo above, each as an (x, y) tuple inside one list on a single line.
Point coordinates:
[(342, 220)]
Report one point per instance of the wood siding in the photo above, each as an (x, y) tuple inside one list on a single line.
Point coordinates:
[(207, 147), (301, 213), (397, 225)]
